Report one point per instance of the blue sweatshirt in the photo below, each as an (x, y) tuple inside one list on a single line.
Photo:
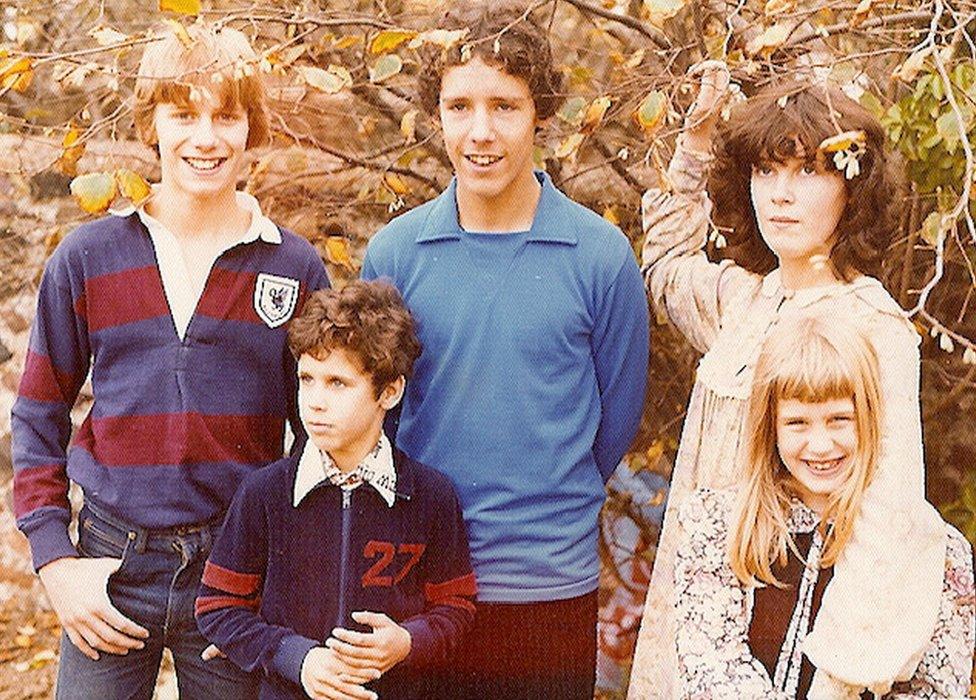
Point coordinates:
[(531, 383)]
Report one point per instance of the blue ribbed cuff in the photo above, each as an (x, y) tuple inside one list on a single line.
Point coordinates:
[(49, 541), (421, 642), (287, 661)]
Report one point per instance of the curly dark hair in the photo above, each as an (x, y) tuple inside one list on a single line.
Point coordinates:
[(762, 129), (366, 319), (501, 35)]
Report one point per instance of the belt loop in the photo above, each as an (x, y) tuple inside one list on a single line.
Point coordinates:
[(139, 538)]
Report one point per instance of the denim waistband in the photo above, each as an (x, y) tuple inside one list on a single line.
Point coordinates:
[(149, 538)]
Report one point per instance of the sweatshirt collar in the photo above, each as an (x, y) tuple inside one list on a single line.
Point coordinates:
[(261, 226), (551, 223), (376, 469)]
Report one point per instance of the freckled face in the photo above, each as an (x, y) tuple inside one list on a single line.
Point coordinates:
[(488, 121), (817, 443), (798, 205)]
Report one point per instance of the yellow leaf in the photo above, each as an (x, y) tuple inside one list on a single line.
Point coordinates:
[(367, 125), (778, 7), (396, 183), (132, 186), (651, 111), (42, 658), (286, 57), (770, 40), (408, 125), (912, 65), (611, 215), (94, 191), (346, 42), (328, 81), (659, 11), (841, 142), (71, 152), (16, 73), (106, 36), (337, 252), (595, 113), (635, 60), (445, 38), (386, 67), (569, 146), (861, 12), (22, 641), (183, 7), (180, 31), (389, 40)]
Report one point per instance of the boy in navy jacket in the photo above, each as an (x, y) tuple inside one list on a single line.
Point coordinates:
[(346, 559)]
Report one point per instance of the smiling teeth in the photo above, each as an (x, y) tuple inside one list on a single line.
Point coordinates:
[(201, 164), (823, 466), (484, 160)]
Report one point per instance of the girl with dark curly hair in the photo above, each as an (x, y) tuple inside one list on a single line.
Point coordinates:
[(803, 192)]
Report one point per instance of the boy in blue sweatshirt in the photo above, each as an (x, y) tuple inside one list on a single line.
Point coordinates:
[(342, 562), (534, 323)]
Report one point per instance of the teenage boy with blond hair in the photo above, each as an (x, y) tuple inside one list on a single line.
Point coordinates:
[(534, 323), (177, 308), (343, 571)]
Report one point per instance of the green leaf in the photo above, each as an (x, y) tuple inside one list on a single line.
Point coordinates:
[(571, 111), (930, 228), (947, 126), (385, 67), (871, 103)]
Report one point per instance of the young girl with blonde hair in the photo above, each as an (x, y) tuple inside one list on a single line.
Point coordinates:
[(806, 196), (753, 563)]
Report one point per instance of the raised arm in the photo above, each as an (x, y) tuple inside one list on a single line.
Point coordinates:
[(712, 609), (683, 284)]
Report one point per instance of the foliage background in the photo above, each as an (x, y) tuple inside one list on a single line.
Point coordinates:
[(351, 148)]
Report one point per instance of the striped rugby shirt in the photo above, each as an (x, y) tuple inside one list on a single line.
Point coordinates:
[(176, 423)]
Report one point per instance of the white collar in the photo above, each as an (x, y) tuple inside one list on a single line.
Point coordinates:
[(261, 226), (377, 467)]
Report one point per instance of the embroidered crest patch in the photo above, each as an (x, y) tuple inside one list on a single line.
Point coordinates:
[(275, 298)]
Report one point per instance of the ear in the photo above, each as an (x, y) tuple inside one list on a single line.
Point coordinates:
[(392, 393)]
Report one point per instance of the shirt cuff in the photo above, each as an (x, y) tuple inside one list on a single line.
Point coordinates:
[(287, 661), (49, 541), (421, 643)]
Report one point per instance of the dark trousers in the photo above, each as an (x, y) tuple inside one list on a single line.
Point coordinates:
[(156, 587), (527, 651)]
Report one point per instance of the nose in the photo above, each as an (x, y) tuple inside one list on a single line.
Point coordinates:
[(819, 441), (783, 187), (203, 135), (481, 126)]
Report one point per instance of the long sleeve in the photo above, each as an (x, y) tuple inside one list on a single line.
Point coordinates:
[(896, 554), (449, 589), (620, 350), (57, 363), (712, 609), (230, 595), (946, 668), (683, 284)]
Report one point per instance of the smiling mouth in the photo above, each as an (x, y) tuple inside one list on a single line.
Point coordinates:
[(205, 164), (823, 466), (483, 160)]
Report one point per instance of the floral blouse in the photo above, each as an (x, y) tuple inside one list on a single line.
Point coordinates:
[(726, 312), (714, 609)]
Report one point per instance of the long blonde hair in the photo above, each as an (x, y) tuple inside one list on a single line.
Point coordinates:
[(813, 360)]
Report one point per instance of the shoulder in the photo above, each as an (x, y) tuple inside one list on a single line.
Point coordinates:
[(877, 311), (95, 237), (429, 485), (597, 237), (298, 252), (401, 231), (268, 483)]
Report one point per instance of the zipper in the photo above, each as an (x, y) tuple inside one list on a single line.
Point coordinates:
[(343, 605)]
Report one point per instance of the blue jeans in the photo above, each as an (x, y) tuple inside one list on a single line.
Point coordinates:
[(155, 586)]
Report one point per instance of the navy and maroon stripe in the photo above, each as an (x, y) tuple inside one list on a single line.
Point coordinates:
[(36, 487), (42, 381), (455, 592)]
